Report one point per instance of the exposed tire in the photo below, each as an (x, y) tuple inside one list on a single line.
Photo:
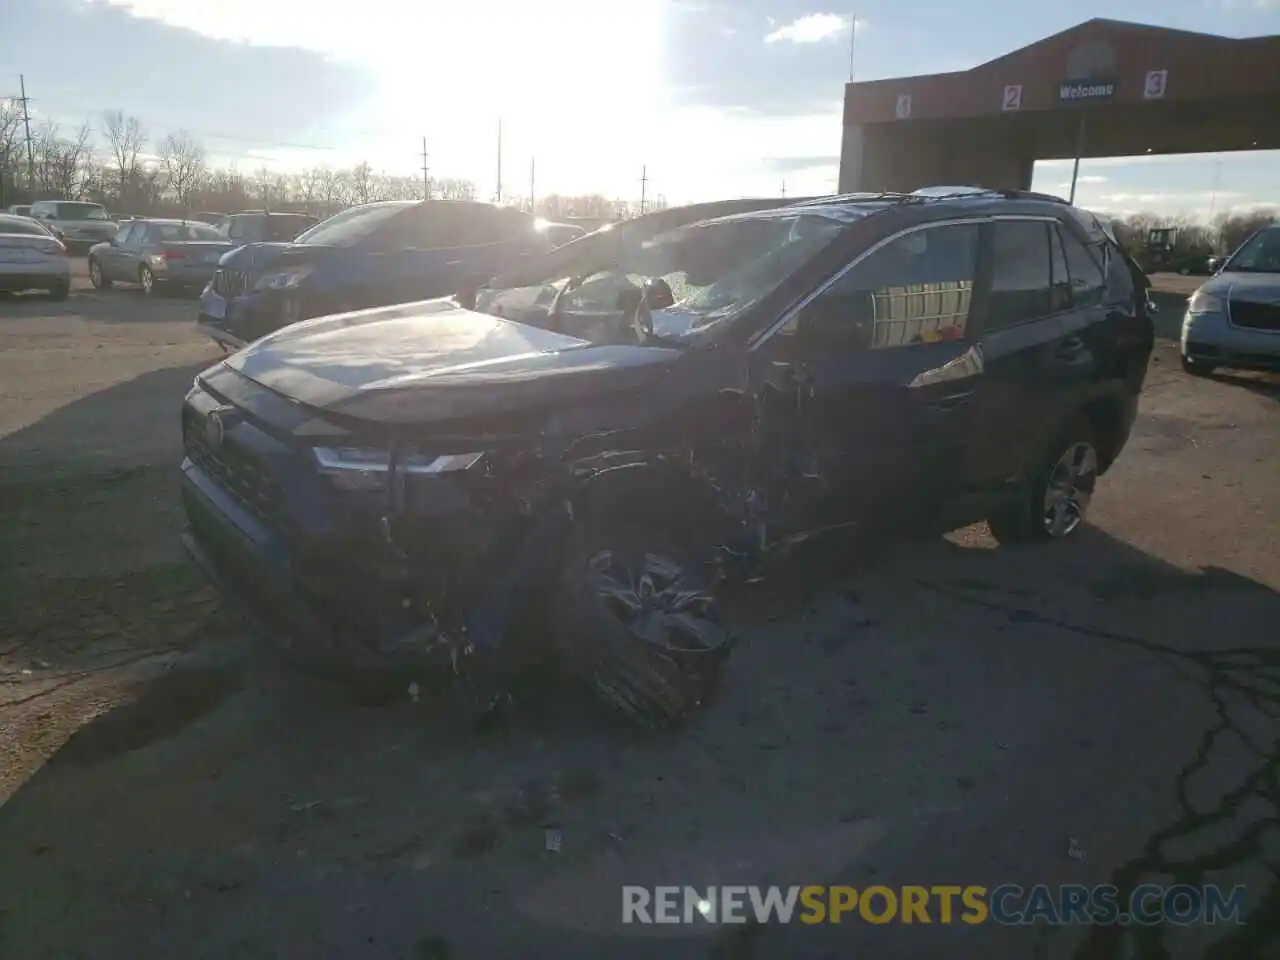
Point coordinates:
[(1056, 500), (95, 275), (637, 618), (60, 292), (1197, 368), (147, 280)]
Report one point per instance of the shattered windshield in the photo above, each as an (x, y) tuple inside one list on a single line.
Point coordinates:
[(696, 277)]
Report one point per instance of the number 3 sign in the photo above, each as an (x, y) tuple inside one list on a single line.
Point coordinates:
[(903, 108), (1154, 88)]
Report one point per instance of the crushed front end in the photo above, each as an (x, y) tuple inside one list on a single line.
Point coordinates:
[(343, 563)]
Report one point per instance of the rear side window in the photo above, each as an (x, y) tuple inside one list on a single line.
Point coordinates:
[(1021, 276), (917, 288), (248, 229), (284, 228), (1085, 270)]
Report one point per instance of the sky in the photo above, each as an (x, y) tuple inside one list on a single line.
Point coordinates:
[(703, 98)]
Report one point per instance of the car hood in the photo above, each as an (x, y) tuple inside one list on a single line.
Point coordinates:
[(257, 257), (434, 361), (1259, 287)]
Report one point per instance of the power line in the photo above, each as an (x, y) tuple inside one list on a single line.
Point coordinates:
[(644, 183)]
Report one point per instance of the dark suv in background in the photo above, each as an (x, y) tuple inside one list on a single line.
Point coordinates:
[(368, 256), (426, 483)]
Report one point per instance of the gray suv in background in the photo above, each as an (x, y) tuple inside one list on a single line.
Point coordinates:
[(261, 226), (76, 223)]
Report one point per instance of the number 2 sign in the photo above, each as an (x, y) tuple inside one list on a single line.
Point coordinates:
[(1012, 98), (1157, 81)]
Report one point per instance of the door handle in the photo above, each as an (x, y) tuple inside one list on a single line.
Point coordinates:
[(1070, 348), (952, 401)]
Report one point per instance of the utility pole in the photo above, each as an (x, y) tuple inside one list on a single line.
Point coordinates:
[(31, 154), (533, 169), (644, 184), (784, 189), (426, 172), (499, 194), (853, 36)]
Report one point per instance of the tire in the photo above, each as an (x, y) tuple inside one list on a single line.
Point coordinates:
[(652, 646), (95, 275), (147, 280), (1197, 368), (1056, 500), (60, 292)]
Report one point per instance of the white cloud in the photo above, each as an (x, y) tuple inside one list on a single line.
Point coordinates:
[(812, 28)]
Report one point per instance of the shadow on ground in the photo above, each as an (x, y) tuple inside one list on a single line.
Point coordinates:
[(211, 818)]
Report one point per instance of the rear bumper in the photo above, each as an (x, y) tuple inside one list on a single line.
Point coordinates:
[(1210, 338)]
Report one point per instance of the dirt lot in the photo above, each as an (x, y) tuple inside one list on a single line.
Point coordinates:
[(1103, 710)]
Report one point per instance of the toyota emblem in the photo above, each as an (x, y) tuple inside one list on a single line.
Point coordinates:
[(214, 429)]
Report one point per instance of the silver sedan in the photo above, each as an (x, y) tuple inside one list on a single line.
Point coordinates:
[(32, 258), (1234, 319)]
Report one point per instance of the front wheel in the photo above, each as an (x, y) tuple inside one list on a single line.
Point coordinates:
[(638, 619), (1197, 368), (1057, 498), (96, 276)]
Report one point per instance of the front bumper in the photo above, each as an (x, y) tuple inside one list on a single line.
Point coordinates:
[(1212, 339), (314, 572), (237, 321)]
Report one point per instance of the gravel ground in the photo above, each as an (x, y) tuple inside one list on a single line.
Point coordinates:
[(1099, 710)]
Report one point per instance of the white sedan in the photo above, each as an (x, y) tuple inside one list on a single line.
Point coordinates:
[(32, 258)]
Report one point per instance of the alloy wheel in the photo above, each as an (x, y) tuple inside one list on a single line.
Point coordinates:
[(1069, 489)]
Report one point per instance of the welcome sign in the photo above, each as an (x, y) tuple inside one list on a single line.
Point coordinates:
[(1078, 91)]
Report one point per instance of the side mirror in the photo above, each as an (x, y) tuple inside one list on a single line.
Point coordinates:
[(1215, 264), (49, 216), (658, 295)]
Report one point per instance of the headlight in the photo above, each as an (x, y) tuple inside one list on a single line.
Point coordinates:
[(354, 468), (283, 279), (1202, 302)]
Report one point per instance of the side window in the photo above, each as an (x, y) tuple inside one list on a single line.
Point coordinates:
[(1084, 270), (235, 228), (1059, 277), (1020, 273), (917, 288), (122, 235)]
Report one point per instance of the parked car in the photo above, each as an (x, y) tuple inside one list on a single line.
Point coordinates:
[(1233, 320), (212, 219), (412, 484), (32, 258), (527, 293), (559, 233), (78, 224), (368, 256), (20, 210), (263, 226), (174, 254)]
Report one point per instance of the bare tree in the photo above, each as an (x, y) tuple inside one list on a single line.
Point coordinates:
[(362, 183), (182, 158), (63, 163), (11, 141), (126, 139)]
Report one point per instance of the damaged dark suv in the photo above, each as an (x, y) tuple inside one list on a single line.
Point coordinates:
[(426, 483)]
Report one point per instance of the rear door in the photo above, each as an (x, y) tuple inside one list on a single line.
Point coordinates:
[(115, 257), (870, 386), (1035, 328)]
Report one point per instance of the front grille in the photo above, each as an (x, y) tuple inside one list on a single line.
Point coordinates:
[(230, 283), (239, 472), (1255, 316)]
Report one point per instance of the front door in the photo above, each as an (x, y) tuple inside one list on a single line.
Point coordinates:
[(869, 387)]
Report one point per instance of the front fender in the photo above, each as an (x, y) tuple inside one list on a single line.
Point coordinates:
[(650, 488)]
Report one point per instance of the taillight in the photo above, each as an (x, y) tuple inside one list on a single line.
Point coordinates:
[(170, 255)]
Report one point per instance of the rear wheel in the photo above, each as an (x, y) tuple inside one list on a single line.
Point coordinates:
[(96, 276), (636, 616), (1057, 498), (146, 280), (1197, 368)]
